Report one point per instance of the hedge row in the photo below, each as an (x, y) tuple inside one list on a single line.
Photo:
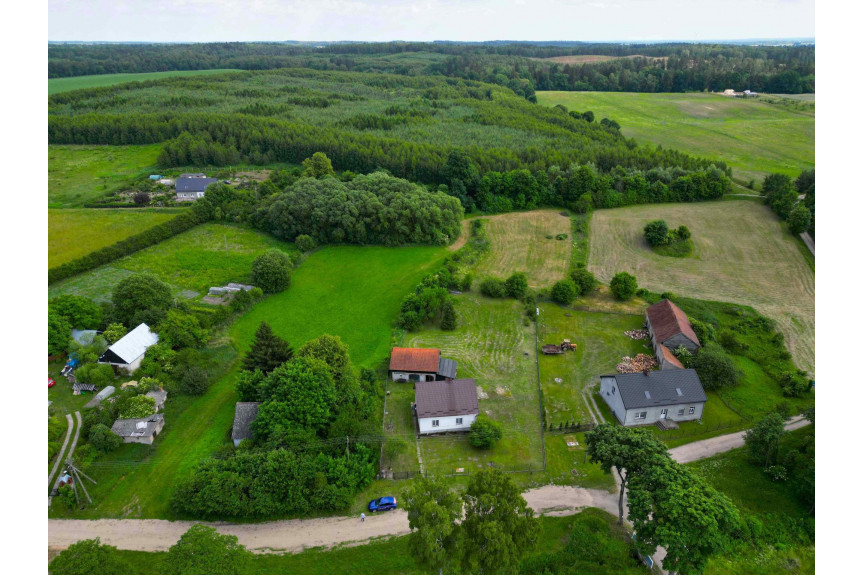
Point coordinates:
[(130, 245)]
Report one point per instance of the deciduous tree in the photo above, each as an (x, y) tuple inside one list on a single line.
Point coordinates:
[(271, 271), (564, 292), (762, 440), (87, 557), (138, 294), (623, 286), (318, 166), (433, 510), (204, 551)]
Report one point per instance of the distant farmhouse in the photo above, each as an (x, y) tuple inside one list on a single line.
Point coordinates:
[(654, 397), (446, 405), (415, 364), (744, 94), (669, 329), (191, 187), (128, 351), (143, 430), (245, 413)]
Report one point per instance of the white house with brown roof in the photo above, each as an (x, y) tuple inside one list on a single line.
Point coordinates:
[(669, 329), (443, 406), (418, 364)]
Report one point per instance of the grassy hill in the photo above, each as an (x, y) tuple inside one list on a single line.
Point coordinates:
[(58, 85), (751, 136)]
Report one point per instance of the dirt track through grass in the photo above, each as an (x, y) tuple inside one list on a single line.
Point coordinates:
[(742, 255), (519, 244)]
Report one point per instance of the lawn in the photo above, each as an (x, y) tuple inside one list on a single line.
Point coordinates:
[(742, 254), (58, 85), (81, 174), (519, 243), (208, 255), (752, 136), (73, 233), (349, 291), (493, 345)]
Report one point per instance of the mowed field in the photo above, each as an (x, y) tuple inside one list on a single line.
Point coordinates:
[(81, 174), (742, 255), (57, 85), (519, 244), (74, 233), (592, 58), (753, 137), (207, 255)]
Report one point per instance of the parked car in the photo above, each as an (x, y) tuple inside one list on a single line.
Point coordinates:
[(382, 504), (50, 382)]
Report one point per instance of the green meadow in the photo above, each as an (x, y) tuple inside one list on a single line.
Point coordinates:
[(81, 174), (58, 85), (74, 233), (752, 136)]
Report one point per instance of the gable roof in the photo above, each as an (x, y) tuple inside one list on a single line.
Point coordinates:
[(159, 395), (658, 388), (415, 359), (668, 320), (195, 184), (670, 357), (137, 427), (131, 346), (441, 398), (447, 368), (245, 413)]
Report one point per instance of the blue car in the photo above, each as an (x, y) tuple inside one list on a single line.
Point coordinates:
[(382, 504)]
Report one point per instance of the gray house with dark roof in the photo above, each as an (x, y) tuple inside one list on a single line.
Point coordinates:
[(446, 405), (647, 397), (245, 413), (191, 187), (142, 430)]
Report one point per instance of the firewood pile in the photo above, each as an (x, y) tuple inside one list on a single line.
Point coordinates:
[(637, 334), (636, 364)]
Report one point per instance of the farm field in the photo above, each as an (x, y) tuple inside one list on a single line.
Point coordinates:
[(754, 138), (58, 85), (81, 174), (591, 58), (742, 255), (73, 233), (207, 255), (519, 244), (493, 345)]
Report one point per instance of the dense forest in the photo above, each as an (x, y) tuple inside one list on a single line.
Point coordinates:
[(361, 121), (520, 66)]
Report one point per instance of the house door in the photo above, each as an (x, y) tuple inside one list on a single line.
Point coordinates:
[(663, 414)]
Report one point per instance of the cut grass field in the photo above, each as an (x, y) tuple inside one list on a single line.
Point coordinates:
[(519, 244), (82, 174), (58, 85), (753, 137), (742, 254), (494, 346), (207, 255), (73, 233)]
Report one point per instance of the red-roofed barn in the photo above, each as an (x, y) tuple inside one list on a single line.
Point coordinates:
[(670, 328), (416, 364)]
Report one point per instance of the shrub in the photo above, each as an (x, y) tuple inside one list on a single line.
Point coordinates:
[(561, 236), (493, 287), (305, 243), (135, 408), (704, 331), (271, 271), (623, 286), (485, 432), (182, 329), (799, 219), (777, 473), (667, 295), (585, 280), (99, 374), (87, 557), (466, 282), (731, 342), (656, 233), (141, 198), (564, 291), (195, 381), (683, 233), (516, 285), (794, 383), (715, 368), (114, 332), (410, 320), (102, 438), (79, 311), (449, 320), (684, 355), (59, 334)]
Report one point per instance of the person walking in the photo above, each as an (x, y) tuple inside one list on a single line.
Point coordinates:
[(362, 517)]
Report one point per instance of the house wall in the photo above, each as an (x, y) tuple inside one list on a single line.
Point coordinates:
[(676, 341), (611, 396), (146, 439), (405, 376), (653, 413), (447, 423)]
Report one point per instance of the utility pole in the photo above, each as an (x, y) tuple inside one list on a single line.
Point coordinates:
[(348, 446)]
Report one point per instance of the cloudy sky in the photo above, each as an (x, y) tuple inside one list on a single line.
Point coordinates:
[(383, 20)]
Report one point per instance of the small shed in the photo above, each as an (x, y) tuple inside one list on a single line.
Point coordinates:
[(159, 396), (106, 392), (128, 352), (245, 413), (155, 177), (142, 430)]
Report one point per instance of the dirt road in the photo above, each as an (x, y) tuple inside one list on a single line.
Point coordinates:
[(298, 534), (709, 447)]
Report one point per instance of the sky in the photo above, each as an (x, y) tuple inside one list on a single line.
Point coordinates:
[(465, 20)]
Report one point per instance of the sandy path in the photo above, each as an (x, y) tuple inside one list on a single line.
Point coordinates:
[(710, 447), (69, 426)]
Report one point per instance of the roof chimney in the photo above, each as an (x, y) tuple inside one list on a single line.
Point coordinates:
[(646, 372)]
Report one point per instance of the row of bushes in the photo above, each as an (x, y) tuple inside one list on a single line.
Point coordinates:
[(150, 237)]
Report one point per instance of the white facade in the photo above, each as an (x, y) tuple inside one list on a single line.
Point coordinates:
[(440, 424), (412, 376), (646, 415), (189, 196)]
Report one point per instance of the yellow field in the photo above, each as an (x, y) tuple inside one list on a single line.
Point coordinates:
[(742, 255), (519, 244)]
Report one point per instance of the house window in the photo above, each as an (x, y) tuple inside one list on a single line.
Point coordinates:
[(679, 412), (458, 420), (613, 389), (435, 422), (640, 415), (691, 410), (414, 377)]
